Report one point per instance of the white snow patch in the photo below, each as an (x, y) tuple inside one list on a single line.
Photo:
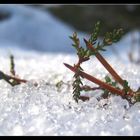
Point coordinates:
[(46, 110)]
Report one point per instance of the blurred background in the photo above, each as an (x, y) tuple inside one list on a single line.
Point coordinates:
[(74, 17), (82, 17)]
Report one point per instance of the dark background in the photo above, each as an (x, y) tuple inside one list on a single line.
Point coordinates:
[(81, 17)]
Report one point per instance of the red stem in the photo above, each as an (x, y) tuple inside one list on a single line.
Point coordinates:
[(17, 79), (90, 88), (106, 65), (96, 81)]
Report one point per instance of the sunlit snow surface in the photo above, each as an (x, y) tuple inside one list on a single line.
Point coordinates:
[(39, 107), (45, 109)]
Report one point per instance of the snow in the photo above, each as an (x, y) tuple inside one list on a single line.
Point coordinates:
[(45, 109), (39, 107)]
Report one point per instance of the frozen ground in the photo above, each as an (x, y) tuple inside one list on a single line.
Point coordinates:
[(40, 107)]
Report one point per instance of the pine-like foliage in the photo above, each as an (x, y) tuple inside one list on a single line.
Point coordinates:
[(93, 48)]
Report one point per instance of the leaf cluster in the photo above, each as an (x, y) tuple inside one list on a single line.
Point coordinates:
[(110, 81)]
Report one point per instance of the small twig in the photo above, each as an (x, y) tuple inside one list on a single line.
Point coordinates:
[(7, 78), (88, 88), (18, 79), (106, 65), (84, 98), (97, 81)]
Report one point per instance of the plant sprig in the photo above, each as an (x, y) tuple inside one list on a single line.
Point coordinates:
[(93, 48), (77, 78), (11, 79)]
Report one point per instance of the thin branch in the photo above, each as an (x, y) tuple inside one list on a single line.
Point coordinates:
[(88, 88), (106, 65), (7, 78), (96, 81)]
